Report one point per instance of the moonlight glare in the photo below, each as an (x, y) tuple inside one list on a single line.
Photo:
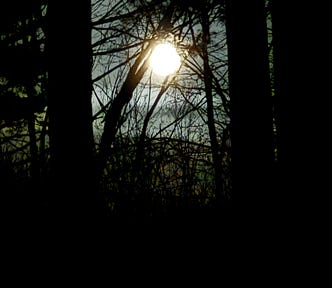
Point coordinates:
[(165, 60)]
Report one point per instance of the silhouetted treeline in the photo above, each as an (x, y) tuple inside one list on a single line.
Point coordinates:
[(88, 133)]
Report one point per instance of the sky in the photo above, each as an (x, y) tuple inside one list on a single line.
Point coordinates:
[(185, 91)]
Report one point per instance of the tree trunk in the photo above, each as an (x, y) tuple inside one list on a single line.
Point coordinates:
[(301, 112), (251, 109), (216, 156), (73, 194), (113, 114), (135, 75)]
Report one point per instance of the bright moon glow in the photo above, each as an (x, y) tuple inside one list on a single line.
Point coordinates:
[(165, 59)]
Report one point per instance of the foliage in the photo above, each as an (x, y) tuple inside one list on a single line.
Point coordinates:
[(23, 97)]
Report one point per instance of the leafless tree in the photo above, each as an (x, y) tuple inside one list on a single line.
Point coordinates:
[(195, 99)]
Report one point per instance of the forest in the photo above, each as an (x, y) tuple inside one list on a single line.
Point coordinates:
[(89, 133)]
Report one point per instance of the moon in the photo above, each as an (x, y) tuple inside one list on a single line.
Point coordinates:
[(164, 59)]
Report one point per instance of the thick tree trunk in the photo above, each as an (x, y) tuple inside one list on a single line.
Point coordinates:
[(251, 109), (252, 155), (73, 195), (301, 111)]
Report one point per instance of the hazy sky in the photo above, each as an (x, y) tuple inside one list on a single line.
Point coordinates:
[(187, 92)]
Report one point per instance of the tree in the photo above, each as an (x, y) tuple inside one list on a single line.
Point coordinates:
[(251, 112), (23, 102), (121, 44), (301, 112), (208, 85), (73, 198), (168, 120)]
